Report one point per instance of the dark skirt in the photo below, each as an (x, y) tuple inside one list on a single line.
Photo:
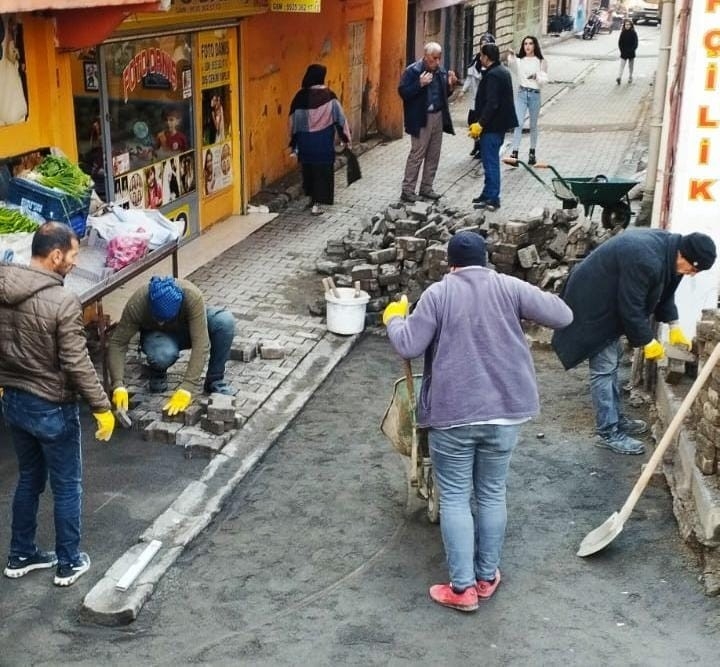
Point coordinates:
[(319, 182)]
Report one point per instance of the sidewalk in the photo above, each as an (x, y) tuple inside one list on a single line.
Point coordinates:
[(267, 280)]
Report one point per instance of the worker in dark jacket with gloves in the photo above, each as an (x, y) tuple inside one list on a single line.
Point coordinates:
[(613, 292)]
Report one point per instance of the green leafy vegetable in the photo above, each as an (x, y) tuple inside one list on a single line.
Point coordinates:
[(12, 221), (58, 172)]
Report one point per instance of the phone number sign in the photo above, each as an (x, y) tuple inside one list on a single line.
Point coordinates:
[(309, 6)]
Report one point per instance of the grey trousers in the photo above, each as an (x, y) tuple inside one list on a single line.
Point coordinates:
[(425, 147)]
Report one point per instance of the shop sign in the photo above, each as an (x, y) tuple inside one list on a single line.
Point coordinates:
[(185, 7), (696, 184), (13, 86), (154, 67), (298, 6)]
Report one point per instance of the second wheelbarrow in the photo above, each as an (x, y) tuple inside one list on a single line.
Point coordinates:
[(609, 193)]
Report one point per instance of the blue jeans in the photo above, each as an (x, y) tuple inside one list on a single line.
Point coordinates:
[(163, 349), (605, 387), (471, 465), (46, 437), (527, 101), (490, 143)]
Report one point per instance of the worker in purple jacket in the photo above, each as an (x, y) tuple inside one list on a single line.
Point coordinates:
[(478, 388)]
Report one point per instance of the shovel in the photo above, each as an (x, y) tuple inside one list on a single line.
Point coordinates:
[(599, 538), (413, 406)]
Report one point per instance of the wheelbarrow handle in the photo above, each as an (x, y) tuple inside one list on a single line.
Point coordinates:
[(410, 383)]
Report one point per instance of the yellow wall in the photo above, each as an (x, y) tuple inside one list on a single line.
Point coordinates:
[(277, 48), (50, 108)]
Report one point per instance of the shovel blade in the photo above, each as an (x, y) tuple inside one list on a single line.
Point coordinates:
[(596, 540)]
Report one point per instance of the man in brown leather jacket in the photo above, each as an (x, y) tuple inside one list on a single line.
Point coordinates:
[(44, 367)]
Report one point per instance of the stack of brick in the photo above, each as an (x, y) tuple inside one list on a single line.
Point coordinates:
[(706, 408), (404, 249)]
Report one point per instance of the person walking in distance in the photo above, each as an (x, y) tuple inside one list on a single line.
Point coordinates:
[(613, 292), (496, 115), (531, 70), (44, 367), (627, 43), (425, 87), (315, 117), (478, 387)]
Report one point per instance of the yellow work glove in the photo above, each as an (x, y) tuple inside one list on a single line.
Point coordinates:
[(654, 350), (178, 402), (106, 424), (120, 399), (677, 337), (475, 130), (396, 309)]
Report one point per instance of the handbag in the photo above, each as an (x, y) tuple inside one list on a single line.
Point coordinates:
[(352, 166)]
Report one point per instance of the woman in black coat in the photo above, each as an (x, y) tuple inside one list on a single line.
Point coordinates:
[(627, 43)]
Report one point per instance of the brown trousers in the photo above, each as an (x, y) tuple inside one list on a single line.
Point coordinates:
[(425, 147)]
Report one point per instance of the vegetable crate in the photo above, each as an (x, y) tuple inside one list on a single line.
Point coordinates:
[(51, 204)]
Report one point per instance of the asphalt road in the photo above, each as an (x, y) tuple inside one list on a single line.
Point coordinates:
[(322, 558)]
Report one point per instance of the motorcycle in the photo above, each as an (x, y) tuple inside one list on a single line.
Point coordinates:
[(593, 25)]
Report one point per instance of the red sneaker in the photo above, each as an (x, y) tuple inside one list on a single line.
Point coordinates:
[(444, 594), (485, 589)]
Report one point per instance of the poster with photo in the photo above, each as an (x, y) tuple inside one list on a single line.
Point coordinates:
[(153, 185), (217, 168), (171, 180), (122, 191), (187, 172), (136, 189), (13, 81)]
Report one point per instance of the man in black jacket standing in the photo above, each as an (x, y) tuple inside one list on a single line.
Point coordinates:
[(613, 292), (425, 87), (495, 110)]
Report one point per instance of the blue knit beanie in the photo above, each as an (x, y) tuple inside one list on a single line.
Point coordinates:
[(165, 298), (467, 249)]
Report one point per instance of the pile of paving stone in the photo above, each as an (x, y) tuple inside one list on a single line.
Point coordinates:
[(404, 249)]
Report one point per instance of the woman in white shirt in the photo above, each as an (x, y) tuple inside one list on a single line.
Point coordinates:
[(531, 70)]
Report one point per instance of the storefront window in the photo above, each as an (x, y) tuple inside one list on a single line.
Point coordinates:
[(149, 84), (13, 85)]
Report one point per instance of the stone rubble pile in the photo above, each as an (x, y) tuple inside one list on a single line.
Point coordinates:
[(404, 249), (706, 408)]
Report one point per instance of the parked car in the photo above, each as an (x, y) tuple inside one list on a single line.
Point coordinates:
[(647, 11)]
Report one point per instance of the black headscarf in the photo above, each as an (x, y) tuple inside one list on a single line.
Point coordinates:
[(312, 98)]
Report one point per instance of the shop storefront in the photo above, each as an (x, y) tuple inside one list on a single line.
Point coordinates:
[(156, 112)]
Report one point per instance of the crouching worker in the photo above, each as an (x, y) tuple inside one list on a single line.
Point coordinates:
[(478, 387), (44, 366), (170, 315)]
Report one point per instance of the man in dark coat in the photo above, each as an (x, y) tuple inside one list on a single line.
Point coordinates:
[(495, 111), (425, 87), (613, 292)]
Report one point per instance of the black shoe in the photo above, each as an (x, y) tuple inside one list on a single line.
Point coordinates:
[(68, 573), (620, 443), (479, 200), (488, 205), (19, 566), (410, 197), (473, 151), (632, 426), (219, 387), (430, 194), (531, 157)]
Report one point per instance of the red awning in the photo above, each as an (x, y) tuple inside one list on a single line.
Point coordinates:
[(10, 6), (82, 28)]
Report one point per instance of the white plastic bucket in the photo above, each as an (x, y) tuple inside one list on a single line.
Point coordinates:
[(346, 313)]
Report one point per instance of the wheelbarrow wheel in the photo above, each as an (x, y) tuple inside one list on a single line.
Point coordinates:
[(433, 500), (617, 214)]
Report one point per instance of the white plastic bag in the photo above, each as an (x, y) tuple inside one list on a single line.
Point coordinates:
[(118, 221)]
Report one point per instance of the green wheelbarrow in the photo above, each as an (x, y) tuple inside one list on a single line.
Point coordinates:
[(609, 193), (399, 425)]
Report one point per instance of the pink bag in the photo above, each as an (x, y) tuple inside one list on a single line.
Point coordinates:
[(126, 249)]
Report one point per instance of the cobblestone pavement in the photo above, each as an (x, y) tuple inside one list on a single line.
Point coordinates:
[(589, 125)]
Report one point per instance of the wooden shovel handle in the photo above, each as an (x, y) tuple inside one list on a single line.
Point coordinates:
[(410, 383), (667, 438)]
